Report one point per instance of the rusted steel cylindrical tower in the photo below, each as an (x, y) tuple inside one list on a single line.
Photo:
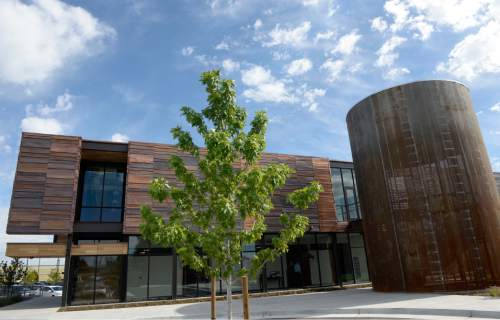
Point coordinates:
[(431, 213)]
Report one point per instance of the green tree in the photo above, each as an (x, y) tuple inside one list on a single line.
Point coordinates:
[(31, 276), (229, 187), (54, 276), (12, 272)]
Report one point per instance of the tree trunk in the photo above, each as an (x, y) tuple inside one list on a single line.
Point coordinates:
[(213, 290), (244, 289), (229, 285)]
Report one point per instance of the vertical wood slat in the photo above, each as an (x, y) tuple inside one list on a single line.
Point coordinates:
[(148, 160), (45, 186)]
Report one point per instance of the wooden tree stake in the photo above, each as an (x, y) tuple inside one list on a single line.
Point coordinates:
[(244, 288)]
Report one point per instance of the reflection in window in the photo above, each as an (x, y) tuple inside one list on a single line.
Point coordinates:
[(345, 194), (150, 269), (102, 193), (96, 279), (359, 264)]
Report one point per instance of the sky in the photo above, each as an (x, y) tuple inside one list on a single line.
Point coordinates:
[(120, 70)]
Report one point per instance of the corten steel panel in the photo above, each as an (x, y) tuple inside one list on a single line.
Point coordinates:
[(148, 160), (431, 213), (497, 179), (44, 191)]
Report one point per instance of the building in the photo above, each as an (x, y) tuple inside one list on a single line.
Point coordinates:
[(427, 210), (88, 193)]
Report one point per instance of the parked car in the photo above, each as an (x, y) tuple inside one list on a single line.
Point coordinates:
[(53, 291)]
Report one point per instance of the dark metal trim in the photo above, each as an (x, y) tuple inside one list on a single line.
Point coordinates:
[(104, 146), (97, 227), (67, 272)]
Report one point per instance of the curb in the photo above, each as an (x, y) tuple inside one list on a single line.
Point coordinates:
[(354, 313)]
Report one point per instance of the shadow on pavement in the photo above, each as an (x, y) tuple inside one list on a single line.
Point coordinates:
[(352, 303), (35, 303)]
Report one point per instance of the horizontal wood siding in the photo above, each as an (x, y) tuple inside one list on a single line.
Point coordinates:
[(45, 185), (148, 160), (35, 250), (99, 249)]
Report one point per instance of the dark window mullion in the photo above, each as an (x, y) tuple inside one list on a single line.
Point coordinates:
[(102, 193), (344, 197), (355, 193)]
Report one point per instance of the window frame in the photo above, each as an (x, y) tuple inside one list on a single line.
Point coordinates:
[(345, 205), (84, 166)]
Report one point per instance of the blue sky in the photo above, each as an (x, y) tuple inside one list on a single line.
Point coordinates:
[(122, 69)]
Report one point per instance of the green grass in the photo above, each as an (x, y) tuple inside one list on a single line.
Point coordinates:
[(5, 301), (494, 292)]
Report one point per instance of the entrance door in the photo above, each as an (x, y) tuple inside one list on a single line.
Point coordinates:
[(298, 269)]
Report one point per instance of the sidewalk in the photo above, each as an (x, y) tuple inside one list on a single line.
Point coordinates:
[(345, 304)]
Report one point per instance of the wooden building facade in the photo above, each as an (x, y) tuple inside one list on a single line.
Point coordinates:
[(88, 195)]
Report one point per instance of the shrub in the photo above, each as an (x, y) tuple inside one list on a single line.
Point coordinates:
[(494, 292)]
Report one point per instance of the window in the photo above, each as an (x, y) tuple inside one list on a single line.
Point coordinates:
[(102, 193), (345, 194), (150, 271), (96, 279)]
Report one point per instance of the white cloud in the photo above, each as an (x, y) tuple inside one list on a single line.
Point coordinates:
[(399, 11), (347, 43), (264, 87), (476, 54), (226, 7), (288, 36), (307, 3), (386, 53), (119, 137), (379, 24), (42, 118), (334, 68), (495, 107), (396, 73), (423, 28), (187, 51), (63, 103), (299, 66), (309, 97), (424, 16), (223, 45), (205, 60), (40, 37), (457, 14), (280, 56), (230, 65), (4, 146), (41, 125), (327, 35), (258, 24)]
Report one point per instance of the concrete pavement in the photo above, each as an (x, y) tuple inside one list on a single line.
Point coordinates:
[(350, 303)]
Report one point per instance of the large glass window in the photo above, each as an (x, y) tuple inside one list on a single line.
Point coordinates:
[(96, 279), (326, 259), (345, 194), (150, 271), (344, 261), (359, 263), (102, 193)]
